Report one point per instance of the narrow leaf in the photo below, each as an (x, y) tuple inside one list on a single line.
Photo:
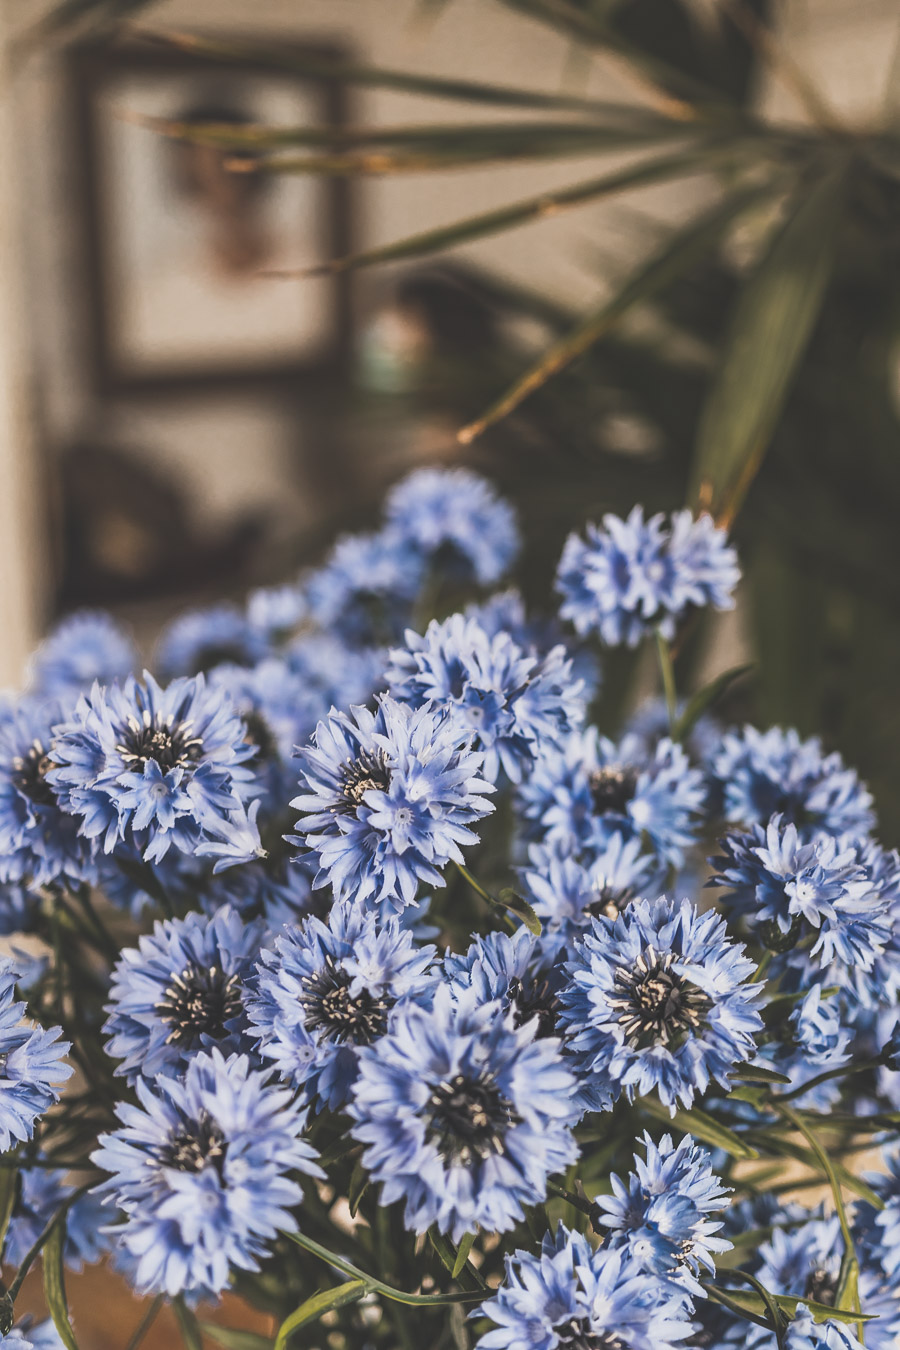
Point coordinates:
[(462, 1253), (705, 698), (770, 331), (702, 1126), (545, 204), (755, 1073), (466, 91), (190, 1327), (677, 256), (359, 1183), (55, 1286), (511, 900), (233, 1339), (821, 1312), (314, 1307)]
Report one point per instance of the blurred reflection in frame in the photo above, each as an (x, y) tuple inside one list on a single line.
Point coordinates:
[(177, 236)]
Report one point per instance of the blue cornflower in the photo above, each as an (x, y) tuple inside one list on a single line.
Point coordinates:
[(326, 989), (202, 1171), (658, 998), (815, 1040), (511, 704), (660, 1216), (182, 989), (391, 797), (455, 522), (202, 639), (879, 1229), (788, 892), (567, 894), (633, 576), (276, 612), (650, 722), (805, 1261), (278, 888), (278, 713), (156, 768), (805, 1333), (39, 842), (41, 1195), (31, 1063), (366, 588), (85, 647), (464, 1115), (761, 774), (574, 1296), (31, 1335), (579, 797), (510, 970), (336, 674)]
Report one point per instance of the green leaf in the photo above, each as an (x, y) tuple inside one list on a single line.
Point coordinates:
[(516, 904), (462, 1253), (55, 1286), (678, 255), (821, 1312), (544, 205), (755, 1073), (314, 1307), (466, 91), (705, 698), (359, 1183), (233, 1339), (772, 324), (702, 1126), (378, 1286)]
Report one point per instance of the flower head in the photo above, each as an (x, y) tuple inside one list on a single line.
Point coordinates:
[(658, 998), (579, 797), (85, 647), (326, 989), (39, 842), (202, 639), (661, 1215), (278, 712), (365, 590), (510, 703), (202, 1172), (41, 1193), (464, 1116), (761, 774), (155, 767), (454, 520), (511, 971), (573, 1297), (391, 797), (633, 575), (276, 611), (32, 1062), (181, 990), (818, 894)]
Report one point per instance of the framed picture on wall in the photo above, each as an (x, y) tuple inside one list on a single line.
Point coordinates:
[(178, 246)]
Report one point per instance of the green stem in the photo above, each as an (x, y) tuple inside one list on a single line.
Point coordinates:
[(496, 905), (824, 1077), (849, 1276), (779, 1322), (719, 1296), (35, 1248), (145, 1323), (376, 1286), (668, 679), (577, 1201)]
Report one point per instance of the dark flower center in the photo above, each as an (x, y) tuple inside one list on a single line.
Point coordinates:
[(612, 788), (172, 746), (656, 1005), (468, 1119), (338, 1015), (195, 1145), (577, 1335), (821, 1286), (258, 732), (369, 770), (30, 775), (609, 902), (199, 1002), (534, 998)]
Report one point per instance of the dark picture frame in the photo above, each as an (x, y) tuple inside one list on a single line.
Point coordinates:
[(92, 71)]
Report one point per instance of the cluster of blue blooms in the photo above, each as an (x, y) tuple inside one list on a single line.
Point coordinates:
[(364, 937)]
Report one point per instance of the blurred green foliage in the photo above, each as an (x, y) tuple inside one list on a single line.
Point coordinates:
[(784, 420)]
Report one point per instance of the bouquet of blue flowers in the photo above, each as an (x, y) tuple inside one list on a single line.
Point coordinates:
[(367, 977)]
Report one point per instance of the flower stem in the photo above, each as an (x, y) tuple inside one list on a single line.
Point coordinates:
[(376, 1286)]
